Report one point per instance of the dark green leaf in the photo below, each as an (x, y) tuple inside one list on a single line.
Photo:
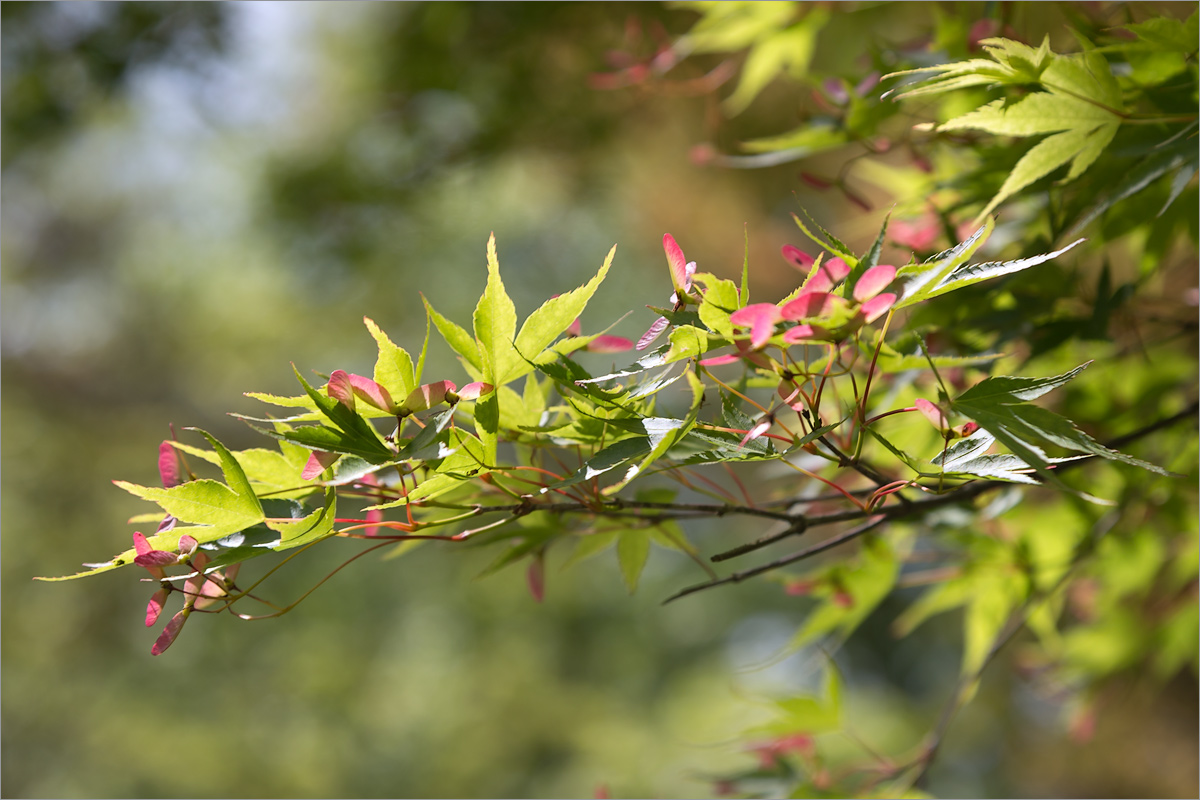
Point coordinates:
[(611, 457), (1180, 155), (424, 445), (320, 437), (359, 437), (1000, 406)]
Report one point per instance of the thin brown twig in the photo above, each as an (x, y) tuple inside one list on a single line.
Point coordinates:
[(828, 544), (798, 524)]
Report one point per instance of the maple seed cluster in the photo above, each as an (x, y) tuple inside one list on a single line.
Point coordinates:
[(200, 591), (825, 316), (345, 387)]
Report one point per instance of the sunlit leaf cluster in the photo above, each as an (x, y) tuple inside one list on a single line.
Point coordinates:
[(863, 416)]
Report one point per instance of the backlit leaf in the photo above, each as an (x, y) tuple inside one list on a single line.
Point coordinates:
[(787, 51), (393, 367), (720, 300), (459, 340), (589, 545), (202, 502), (308, 529), (1038, 113), (551, 320), (1050, 154), (851, 592), (495, 323), (1168, 33)]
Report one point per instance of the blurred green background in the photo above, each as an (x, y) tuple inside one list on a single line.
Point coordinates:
[(195, 195)]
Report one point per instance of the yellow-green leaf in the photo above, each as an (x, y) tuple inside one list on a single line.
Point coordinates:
[(789, 51), (394, 366), (311, 528), (551, 320), (202, 502), (1041, 112), (1042, 159), (459, 340)]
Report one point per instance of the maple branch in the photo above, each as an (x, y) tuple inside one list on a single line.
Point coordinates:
[(798, 523), (828, 544)]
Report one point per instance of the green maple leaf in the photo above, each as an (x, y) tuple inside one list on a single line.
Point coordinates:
[(1079, 105), (1001, 406), (223, 507)]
